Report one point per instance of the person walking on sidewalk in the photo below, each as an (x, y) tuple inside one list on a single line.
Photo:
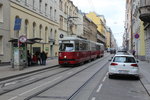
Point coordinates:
[(29, 58), (43, 57), (133, 52)]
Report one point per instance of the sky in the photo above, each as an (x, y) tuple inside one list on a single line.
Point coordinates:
[(113, 11)]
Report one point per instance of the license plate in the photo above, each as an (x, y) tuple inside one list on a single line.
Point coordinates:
[(123, 71)]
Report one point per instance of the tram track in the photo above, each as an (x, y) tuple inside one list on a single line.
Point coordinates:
[(79, 89), (7, 89)]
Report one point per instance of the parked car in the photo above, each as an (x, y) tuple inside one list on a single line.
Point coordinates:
[(123, 64), (112, 51)]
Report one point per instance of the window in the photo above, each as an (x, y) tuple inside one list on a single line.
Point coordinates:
[(61, 22), (60, 4), (66, 47), (1, 13), (26, 27), (65, 11), (51, 34), (26, 2), (34, 4), (124, 59), (55, 14), (40, 5), (34, 28), (50, 12), (1, 45), (45, 8), (40, 31), (46, 36)]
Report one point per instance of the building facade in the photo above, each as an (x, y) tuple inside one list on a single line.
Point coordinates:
[(39, 20), (70, 19), (5, 48), (90, 29), (134, 37), (137, 25), (145, 17), (97, 19), (108, 37)]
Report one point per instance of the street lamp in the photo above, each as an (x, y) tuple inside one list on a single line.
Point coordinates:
[(68, 19)]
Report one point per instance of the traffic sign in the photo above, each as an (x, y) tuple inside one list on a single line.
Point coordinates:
[(22, 39), (61, 36), (136, 36)]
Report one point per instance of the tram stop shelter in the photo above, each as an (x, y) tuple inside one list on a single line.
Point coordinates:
[(19, 52)]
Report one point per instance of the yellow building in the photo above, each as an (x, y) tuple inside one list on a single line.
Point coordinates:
[(141, 47), (108, 37), (100, 22), (37, 22)]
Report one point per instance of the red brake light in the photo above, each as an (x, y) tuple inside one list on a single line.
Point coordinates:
[(113, 64), (134, 65)]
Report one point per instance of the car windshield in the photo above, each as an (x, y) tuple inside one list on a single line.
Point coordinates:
[(123, 59), (66, 47)]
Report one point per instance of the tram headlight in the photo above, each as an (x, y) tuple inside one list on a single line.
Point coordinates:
[(65, 57)]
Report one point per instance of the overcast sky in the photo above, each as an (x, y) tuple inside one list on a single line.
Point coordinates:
[(113, 10)]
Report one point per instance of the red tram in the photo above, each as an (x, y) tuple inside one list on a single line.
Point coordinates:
[(75, 50)]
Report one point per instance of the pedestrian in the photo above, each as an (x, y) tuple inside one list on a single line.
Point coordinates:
[(38, 54), (133, 52), (34, 59), (43, 57), (29, 58)]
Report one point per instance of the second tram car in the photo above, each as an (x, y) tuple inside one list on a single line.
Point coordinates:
[(74, 50)]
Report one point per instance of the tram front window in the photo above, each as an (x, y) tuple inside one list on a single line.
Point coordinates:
[(66, 47)]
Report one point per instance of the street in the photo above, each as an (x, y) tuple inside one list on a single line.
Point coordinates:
[(86, 82)]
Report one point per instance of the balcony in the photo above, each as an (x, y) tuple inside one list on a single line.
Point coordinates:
[(145, 13)]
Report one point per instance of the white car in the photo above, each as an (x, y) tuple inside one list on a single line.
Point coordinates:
[(123, 64)]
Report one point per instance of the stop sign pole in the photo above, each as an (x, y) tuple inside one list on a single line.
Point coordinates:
[(136, 36)]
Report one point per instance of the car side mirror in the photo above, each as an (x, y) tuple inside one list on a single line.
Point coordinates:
[(137, 61), (109, 60)]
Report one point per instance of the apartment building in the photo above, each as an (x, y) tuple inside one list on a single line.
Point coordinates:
[(5, 48)]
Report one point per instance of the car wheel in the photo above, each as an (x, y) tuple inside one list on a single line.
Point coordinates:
[(110, 76)]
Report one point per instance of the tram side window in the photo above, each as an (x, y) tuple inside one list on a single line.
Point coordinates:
[(97, 47), (83, 46), (77, 46), (66, 47)]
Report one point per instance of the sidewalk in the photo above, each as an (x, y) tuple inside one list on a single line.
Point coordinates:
[(145, 74), (7, 72)]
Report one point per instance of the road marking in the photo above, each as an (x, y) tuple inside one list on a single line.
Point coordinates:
[(70, 72), (99, 88), (11, 83), (13, 98), (93, 98), (40, 86), (104, 78)]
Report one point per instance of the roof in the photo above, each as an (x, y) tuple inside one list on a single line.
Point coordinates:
[(29, 41)]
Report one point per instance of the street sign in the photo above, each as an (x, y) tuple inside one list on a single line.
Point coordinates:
[(136, 36), (22, 39), (61, 36), (17, 25)]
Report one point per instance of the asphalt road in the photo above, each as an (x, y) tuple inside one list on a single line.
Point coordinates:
[(87, 82)]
